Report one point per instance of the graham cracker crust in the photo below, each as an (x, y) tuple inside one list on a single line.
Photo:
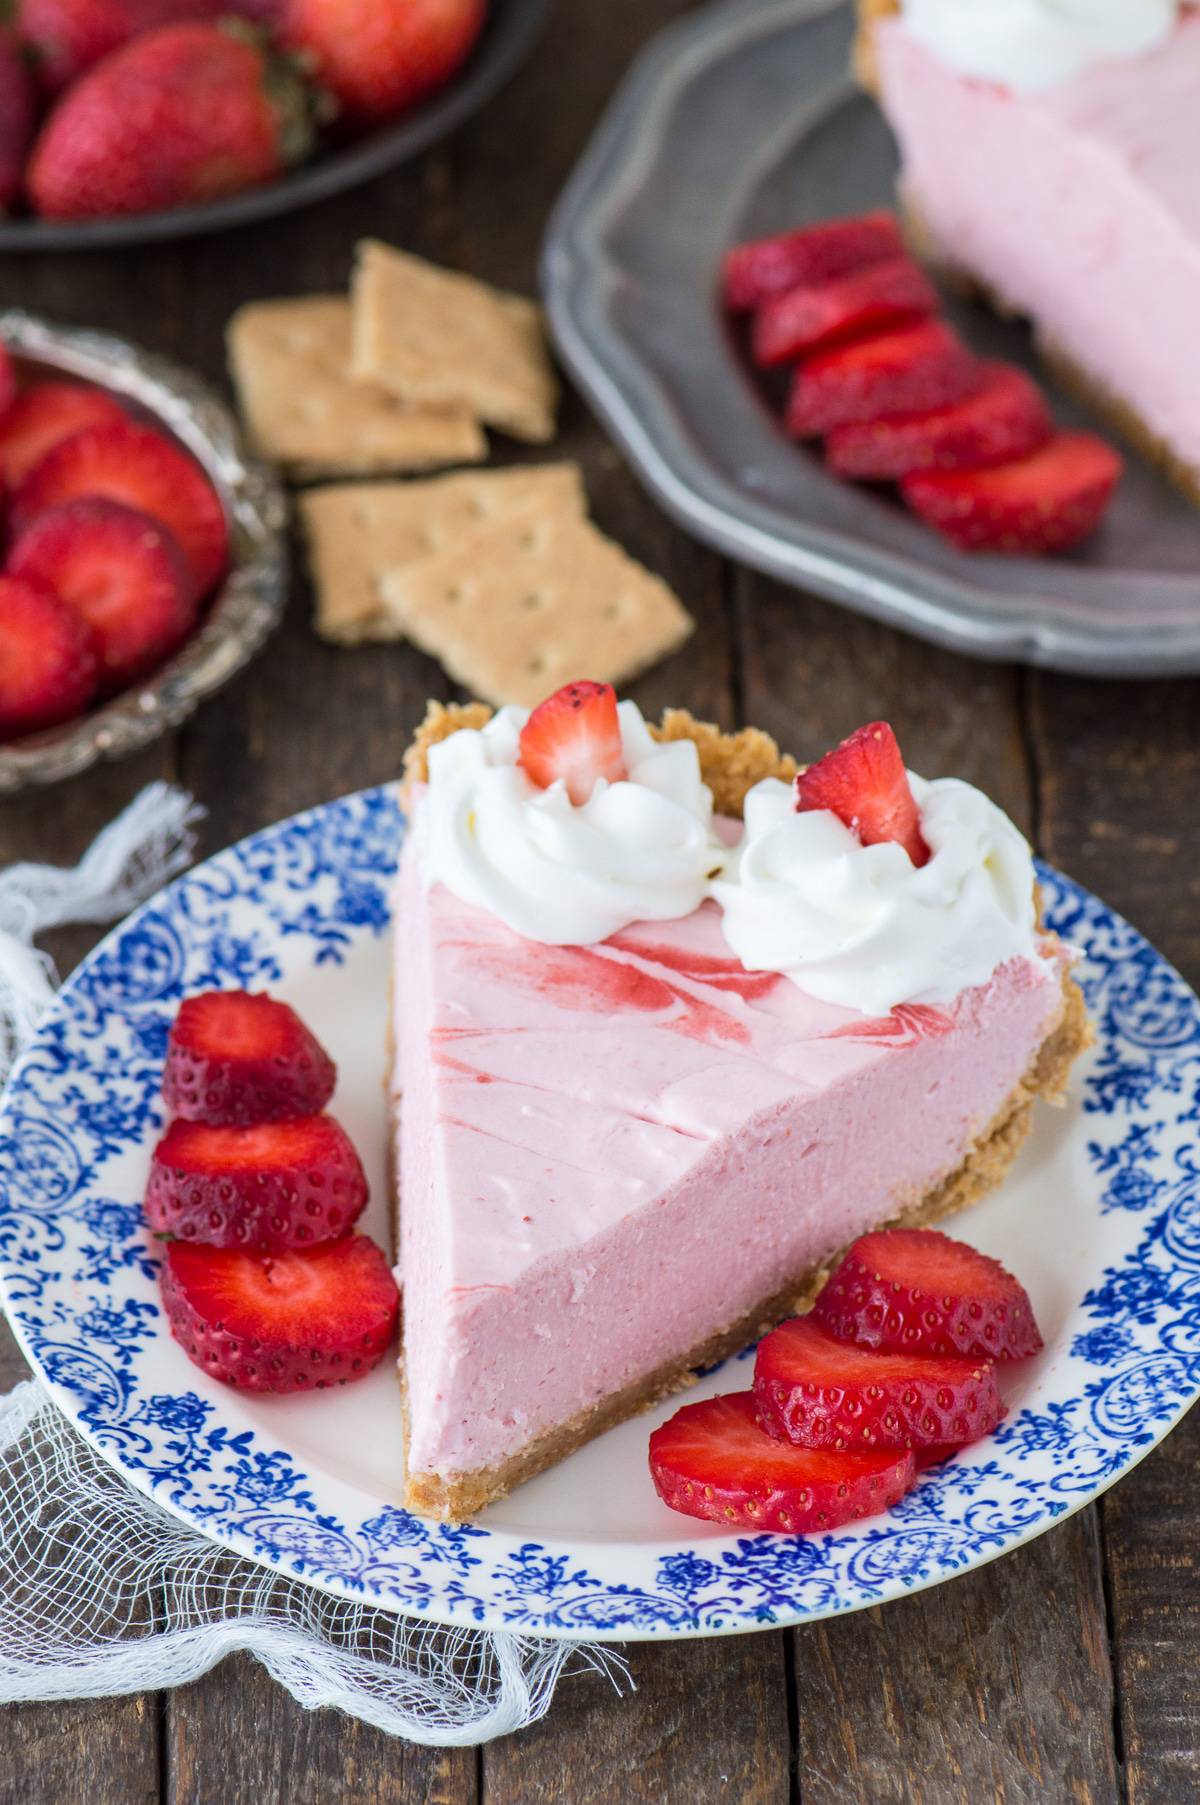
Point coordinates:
[(453, 1497), (1090, 390)]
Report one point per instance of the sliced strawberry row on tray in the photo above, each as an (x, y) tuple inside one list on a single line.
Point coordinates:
[(265, 1285), (893, 1370), (899, 398)]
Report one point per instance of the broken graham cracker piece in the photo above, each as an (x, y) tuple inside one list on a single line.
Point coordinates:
[(290, 363), (358, 533), (528, 603), (436, 337), (730, 763)]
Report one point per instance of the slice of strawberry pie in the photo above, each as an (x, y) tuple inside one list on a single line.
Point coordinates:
[(673, 1026)]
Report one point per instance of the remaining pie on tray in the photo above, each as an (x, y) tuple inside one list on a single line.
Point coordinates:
[(673, 1026), (1051, 153)]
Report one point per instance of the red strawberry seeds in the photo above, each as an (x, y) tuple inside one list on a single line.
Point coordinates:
[(913, 1290), (238, 1058), (48, 667), (1005, 418), (864, 783), (824, 1393), (1046, 502), (574, 737), (767, 266), (910, 370), (713, 1461), (272, 1186), (122, 572), (144, 470), (176, 117), (801, 321), (282, 1322)]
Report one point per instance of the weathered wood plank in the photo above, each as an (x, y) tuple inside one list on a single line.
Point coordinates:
[(708, 1721), (235, 1735), (1118, 774)]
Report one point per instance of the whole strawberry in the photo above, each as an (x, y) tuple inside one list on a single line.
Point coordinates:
[(65, 37), (183, 115), (18, 117), (379, 58)]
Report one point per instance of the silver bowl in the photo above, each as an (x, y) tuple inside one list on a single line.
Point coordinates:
[(244, 611)]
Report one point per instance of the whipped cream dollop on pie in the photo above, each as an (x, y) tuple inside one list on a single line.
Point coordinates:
[(1034, 44), (640, 849), (862, 926)]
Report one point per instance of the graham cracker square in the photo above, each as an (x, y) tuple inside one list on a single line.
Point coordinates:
[(359, 533), (438, 338), (290, 362), (535, 600)]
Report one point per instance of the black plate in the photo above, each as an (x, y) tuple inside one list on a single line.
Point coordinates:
[(509, 35)]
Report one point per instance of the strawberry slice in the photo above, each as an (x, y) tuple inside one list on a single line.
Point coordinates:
[(8, 375), (913, 369), (916, 1291), (712, 1460), (275, 1185), (1005, 418), (282, 1321), (864, 783), (574, 737), (48, 668), (803, 320), (45, 415), (824, 1393), (1045, 502), (766, 266), (235, 1057), (122, 571), (145, 470)]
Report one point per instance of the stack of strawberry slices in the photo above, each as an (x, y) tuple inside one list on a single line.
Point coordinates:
[(117, 540), (893, 1370), (265, 1283), (899, 398)]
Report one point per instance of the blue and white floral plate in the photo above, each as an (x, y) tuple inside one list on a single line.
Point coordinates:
[(1100, 1217)]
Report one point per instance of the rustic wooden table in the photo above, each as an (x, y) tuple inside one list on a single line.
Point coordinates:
[(1067, 1671)]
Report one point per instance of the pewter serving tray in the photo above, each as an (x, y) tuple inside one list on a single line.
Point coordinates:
[(741, 121)]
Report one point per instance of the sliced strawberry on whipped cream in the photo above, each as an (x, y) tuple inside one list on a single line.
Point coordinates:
[(1046, 502), (574, 737), (767, 266), (823, 1393), (864, 783), (1005, 418), (915, 1290), (807, 319), (712, 1460), (912, 369)]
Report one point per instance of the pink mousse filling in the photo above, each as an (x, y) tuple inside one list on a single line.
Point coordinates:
[(1080, 206), (609, 1153)]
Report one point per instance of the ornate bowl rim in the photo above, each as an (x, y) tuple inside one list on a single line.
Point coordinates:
[(248, 606)]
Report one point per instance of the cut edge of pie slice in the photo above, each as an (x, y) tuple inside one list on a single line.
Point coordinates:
[(522, 1327)]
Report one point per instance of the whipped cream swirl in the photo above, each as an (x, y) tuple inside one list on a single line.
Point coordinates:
[(1036, 44), (639, 850), (860, 926)]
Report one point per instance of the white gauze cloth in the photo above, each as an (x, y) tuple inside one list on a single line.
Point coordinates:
[(102, 1591)]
